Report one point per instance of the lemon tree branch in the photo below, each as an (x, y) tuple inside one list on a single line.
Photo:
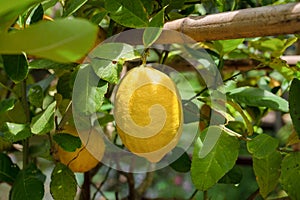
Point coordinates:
[(245, 23)]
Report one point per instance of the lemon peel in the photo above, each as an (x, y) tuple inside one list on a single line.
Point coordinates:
[(148, 113), (81, 160)]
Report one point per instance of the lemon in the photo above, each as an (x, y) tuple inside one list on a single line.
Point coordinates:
[(148, 113), (82, 160)]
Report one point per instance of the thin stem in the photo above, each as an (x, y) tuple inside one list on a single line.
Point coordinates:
[(225, 80), (66, 117), (145, 54), (164, 57), (193, 195), (205, 195), (7, 88), (130, 181), (253, 195), (145, 183), (85, 190), (27, 117), (192, 2), (238, 108), (101, 184)]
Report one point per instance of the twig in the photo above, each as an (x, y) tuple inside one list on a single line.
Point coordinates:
[(7, 88), (65, 117), (164, 57), (193, 195), (205, 195), (101, 184), (145, 183), (116, 195), (238, 108), (253, 195), (131, 183), (27, 116), (225, 80), (85, 189)]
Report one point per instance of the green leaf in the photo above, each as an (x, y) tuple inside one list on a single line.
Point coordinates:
[(294, 104), (183, 163), (226, 46), (10, 10), (105, 119), (267, 172), (207, 171), (8, 170), (49, 64), (259, 98), (190, 112), (63, 185), (72, 6), (44, 122), (271, 44), (41, 149), (172, 4), (36, 96), (148, 5), (88, 93), (15, 132), (127, 13), (67, 142), (64, 85), (15, 66), (97, 18), (49, 4), (7, 104), (62, 40), (107, 59), (234, 176), (37, 15), (290, 176), (15, 115), (282, 67), (152, 33), (45, 83), (29, 184), (4, 144), (262, 145)]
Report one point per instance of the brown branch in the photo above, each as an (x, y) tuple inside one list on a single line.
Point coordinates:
[(253, 195), (85, 189), (145, 184), (179, 64), (131, 185), (246, 23)]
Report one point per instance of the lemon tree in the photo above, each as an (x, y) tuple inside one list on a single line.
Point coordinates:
[(80, 95)]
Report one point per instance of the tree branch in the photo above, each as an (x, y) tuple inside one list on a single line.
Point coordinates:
[(85, 189), (245, 23), (145, 184)]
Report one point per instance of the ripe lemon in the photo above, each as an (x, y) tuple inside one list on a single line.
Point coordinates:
[(82, 160), (148, 113)]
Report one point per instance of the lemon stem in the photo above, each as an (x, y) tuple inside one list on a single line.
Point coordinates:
[(145, 54)]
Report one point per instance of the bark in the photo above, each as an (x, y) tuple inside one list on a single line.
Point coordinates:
[(245, 23)]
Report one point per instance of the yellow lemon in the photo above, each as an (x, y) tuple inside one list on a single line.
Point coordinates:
[(82, 160), (148, 113)]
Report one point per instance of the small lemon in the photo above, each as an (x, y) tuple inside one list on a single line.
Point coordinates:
[(148, 113), (81, 160)]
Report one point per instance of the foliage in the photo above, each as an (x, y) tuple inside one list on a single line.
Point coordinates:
[(40, 58)]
